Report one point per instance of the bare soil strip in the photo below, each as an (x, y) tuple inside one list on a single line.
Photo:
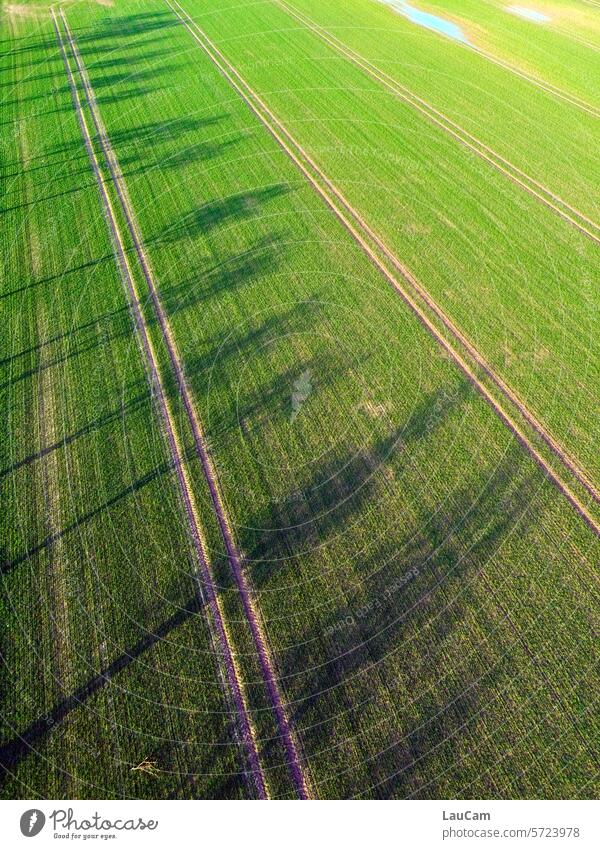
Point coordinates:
[(532, 186), (204, 578), (359, 230), (235, 559)]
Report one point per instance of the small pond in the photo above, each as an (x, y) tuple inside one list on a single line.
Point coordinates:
[(528, 14), (427, 20)]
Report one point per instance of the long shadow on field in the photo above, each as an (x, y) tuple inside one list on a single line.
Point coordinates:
[(238, 207), (109, 90), (123, 329), (198, 151), (13, 751), (131, 144), (155, 132), (392, 629), (169, 145), (116, 26), (228, 275), (125, 62), (273, 400), (31, 78), (87, 327), (48, 197), (106, 329), (340, 488), (96, 424), (40, 113), (325, 508), (233, 272), (60, 277), (53, 169), (140, 150), (93, 335), (105, 34), (32, 47), (221, 786), (110, 29), (220, 366), (401, 592), (127, 94), (117, 32), (51, 539), (140, 82)]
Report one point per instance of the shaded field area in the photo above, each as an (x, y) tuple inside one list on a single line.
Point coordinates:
[(106, 658), (517, 280), (427, 597)]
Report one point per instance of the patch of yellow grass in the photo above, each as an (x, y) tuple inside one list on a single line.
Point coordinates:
[(16, 10)]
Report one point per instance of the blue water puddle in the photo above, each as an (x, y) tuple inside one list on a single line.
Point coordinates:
[(529, 14), (426, 19)]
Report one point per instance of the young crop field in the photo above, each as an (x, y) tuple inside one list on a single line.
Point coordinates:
[(300, 384)]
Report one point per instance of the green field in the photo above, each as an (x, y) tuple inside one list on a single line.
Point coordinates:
[(360, 356)]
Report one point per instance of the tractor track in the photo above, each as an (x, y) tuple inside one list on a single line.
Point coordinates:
[(206, 585), (210, 474), (361, 232), (533, 187)]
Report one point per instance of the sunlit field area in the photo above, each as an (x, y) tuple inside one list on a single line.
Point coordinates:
[(300, 479)]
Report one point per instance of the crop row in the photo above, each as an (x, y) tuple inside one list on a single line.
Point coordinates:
[(107, 660), (512, 275), (385, 463)]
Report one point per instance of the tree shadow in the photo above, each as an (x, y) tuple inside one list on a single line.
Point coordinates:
[(40, 44), (209, 768), (85, 517), (423, 589), (115, 27), (153, 132), (37, 732), (228, 275), (107, 81), (340, 488), (147, 135), (124, 329), (237, 207), (60, 276), (197, 152), (234, 272), (94, 324), (417, 581), (96, 424), (107, 63)]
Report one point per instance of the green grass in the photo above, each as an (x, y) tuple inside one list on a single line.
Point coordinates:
[(497, 106), (428, 596), (563, 50), (91, 577), (519, 281)]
